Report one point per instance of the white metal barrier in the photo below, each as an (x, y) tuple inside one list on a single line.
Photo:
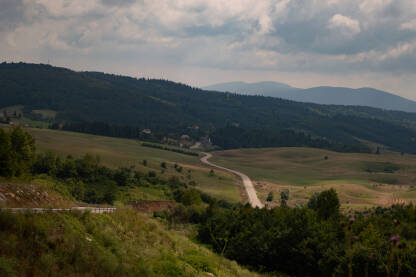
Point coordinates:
[(94, 210)]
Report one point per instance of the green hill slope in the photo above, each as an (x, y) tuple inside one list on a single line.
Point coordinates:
[(124, 243), (167, 107)]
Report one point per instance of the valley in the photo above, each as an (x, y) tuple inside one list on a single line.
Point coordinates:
[(207, 138)]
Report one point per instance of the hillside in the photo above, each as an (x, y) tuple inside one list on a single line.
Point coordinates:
[(169, 109), (125, 243), (321, 95), (117, 152)]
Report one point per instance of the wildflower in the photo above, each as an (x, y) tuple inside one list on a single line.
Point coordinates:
[(394, 240), (352, 220)]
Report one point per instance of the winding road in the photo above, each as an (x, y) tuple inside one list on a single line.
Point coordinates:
[(248, 185)]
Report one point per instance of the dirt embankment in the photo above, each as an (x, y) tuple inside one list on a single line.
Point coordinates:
[(153, 206), (30, 196)]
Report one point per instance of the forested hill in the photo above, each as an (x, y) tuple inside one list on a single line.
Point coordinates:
[(168, 107)]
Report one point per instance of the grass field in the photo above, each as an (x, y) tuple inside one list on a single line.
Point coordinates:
[(361, 179), (116, 152)]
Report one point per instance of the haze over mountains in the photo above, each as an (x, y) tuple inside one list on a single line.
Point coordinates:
[(321, 95)]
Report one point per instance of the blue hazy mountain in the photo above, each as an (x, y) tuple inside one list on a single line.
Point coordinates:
[(321, 95)]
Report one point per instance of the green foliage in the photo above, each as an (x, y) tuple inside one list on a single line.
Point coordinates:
[(270, 197), (87, 180), (284, 238), (235, 137), (181, 151), (326, 204), (7, 267), (17, 152), (189, 197), (124, 243), (284, 197)]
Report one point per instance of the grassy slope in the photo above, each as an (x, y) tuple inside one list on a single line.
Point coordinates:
[(116, 152), (42, 192), (121, 244), (306, 171)]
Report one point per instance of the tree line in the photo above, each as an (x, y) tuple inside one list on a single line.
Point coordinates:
[(315, 240), (181, 151)]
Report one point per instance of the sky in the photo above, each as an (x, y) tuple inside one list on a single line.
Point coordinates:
[(304, 43)]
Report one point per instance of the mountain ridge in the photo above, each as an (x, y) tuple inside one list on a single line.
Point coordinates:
[(327, 95)]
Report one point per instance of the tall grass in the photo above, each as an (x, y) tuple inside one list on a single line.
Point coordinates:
[(121, 244)]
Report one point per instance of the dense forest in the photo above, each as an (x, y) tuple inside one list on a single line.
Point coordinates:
[(82, 99)]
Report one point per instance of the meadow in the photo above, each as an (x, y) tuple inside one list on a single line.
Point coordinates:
[(117, 152), (361, 180)]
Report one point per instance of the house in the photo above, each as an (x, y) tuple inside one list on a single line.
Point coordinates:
[(184, 137)]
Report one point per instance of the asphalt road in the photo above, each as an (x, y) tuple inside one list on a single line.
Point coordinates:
[(248, 185)]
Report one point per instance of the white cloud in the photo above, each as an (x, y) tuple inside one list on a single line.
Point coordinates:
[(339, 21)]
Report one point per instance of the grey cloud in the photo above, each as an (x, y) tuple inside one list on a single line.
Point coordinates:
[(212, 35), (118, 2), (11, 14)]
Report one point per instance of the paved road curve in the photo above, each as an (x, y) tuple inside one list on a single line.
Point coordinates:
[(248, 185)]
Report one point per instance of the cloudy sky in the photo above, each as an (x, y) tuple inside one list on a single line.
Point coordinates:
[(304, 43)]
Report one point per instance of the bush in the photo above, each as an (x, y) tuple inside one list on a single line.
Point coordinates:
[(17, 152), (326, 204)]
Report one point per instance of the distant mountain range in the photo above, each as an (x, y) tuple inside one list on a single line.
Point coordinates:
[(321, 95)]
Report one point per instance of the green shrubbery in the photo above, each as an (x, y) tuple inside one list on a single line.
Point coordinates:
[(17, 152), (85, 178), (318, 237)]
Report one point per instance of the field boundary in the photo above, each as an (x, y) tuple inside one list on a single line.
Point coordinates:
[(180, 151)]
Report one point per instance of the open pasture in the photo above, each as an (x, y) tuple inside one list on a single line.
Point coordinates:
[(361, 180), (117, 152)]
